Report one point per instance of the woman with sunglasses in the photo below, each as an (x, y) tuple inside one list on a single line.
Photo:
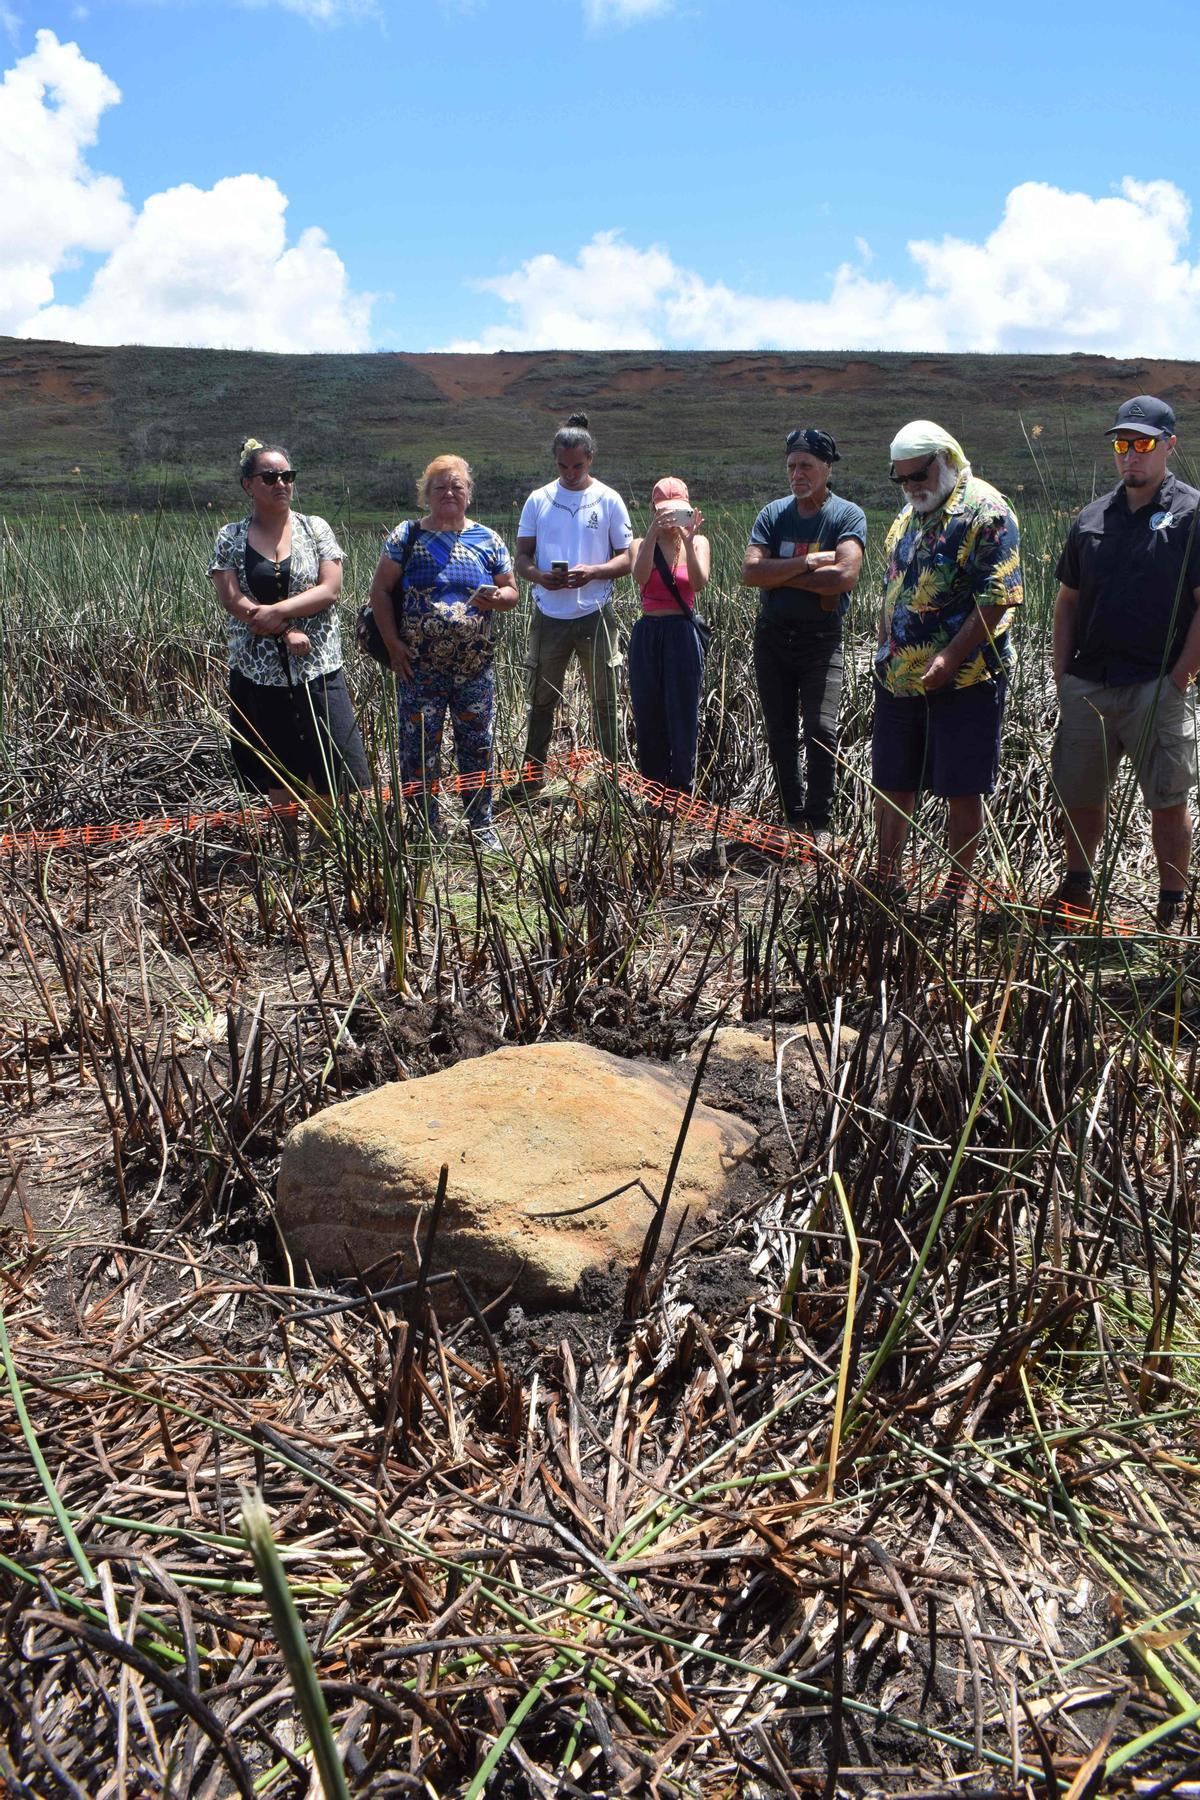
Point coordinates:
[(278, 574)]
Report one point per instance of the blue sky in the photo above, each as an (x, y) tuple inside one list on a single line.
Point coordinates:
[(342, 174)]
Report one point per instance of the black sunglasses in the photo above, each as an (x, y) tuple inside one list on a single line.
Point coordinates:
[(913, 475), (271, 476)]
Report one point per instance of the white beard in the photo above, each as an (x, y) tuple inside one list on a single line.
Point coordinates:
[(927, 500)]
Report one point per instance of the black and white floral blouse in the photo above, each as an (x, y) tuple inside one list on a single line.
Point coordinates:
[(259, 658)]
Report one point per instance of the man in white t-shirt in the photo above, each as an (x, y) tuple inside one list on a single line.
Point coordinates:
[(573, 542)]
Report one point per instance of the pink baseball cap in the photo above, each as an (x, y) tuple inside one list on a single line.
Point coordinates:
[(669, 488)]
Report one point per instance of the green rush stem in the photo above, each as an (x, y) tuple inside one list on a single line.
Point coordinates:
[(524, 1706), (1188, 1716), (35, 1450), (72, 1603), (260, 1541), (839, 1404)]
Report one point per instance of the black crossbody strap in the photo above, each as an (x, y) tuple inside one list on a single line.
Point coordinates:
[(366, 627), (667, 573), (410, 544)]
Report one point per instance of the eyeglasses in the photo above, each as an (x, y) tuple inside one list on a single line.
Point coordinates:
[(914, 474), (1143, 446), (270, 476)]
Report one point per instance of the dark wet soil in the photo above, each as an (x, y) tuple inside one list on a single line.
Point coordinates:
[(398, 1040), (628, 1024)]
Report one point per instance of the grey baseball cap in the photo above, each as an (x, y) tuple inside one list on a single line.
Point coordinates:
[(1144, 416)]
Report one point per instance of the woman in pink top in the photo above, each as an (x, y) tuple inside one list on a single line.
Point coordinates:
[(666, 659)]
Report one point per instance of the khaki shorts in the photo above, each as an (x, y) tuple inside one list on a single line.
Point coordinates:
[(1151, 723)]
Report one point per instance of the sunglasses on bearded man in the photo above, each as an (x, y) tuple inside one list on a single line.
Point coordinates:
[(913, 475)]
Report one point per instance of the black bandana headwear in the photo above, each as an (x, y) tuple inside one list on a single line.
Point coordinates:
[(817, 443)]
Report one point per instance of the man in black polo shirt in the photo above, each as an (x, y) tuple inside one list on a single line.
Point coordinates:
[(1126, 649)]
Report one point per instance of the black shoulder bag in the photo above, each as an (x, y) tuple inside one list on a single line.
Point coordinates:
[(704, 630), (367, 634)]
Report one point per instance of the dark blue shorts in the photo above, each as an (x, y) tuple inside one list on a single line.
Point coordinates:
[(948, 744)]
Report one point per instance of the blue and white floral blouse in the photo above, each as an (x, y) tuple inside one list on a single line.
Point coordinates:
[(445, 632)]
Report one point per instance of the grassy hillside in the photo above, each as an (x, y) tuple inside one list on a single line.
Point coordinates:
[(130, 426)]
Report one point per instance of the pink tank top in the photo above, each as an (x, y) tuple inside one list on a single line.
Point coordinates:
[(656, 595)]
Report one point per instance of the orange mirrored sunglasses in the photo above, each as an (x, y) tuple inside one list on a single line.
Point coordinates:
[(1143, 446)]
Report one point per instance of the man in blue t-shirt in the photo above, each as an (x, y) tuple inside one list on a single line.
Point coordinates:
[(805, 553)]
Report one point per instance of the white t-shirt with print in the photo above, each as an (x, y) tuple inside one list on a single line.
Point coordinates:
[(588, 526)]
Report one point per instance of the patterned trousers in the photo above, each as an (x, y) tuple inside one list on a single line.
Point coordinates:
[(422, 705)]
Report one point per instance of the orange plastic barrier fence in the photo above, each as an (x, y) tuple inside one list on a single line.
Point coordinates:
[(729, 824), (687, 808)]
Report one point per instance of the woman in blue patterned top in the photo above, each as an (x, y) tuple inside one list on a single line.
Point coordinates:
[(437, 623), (278, 574)]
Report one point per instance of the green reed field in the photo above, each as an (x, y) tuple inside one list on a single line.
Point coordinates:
[(885, 1482)]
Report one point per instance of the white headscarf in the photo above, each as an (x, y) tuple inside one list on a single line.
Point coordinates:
[(921, 437)]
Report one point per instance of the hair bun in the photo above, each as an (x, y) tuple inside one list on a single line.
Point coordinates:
[(249, 445), (580, 420)]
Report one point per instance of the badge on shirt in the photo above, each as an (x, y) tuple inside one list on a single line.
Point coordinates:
[(1162, 521)]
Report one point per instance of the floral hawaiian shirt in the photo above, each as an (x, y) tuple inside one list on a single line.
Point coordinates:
[(263, 659), (941, 565)]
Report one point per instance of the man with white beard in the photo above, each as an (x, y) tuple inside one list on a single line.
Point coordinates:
[(952, 583)]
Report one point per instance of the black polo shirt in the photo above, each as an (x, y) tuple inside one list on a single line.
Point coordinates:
[(1136, 573)]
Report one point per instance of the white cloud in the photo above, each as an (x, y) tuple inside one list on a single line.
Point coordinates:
[(612, 297), (624, 12), (327, 12), (1061, 271), (213, 267), (53, 206), (194, 266), (1068, 272)]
